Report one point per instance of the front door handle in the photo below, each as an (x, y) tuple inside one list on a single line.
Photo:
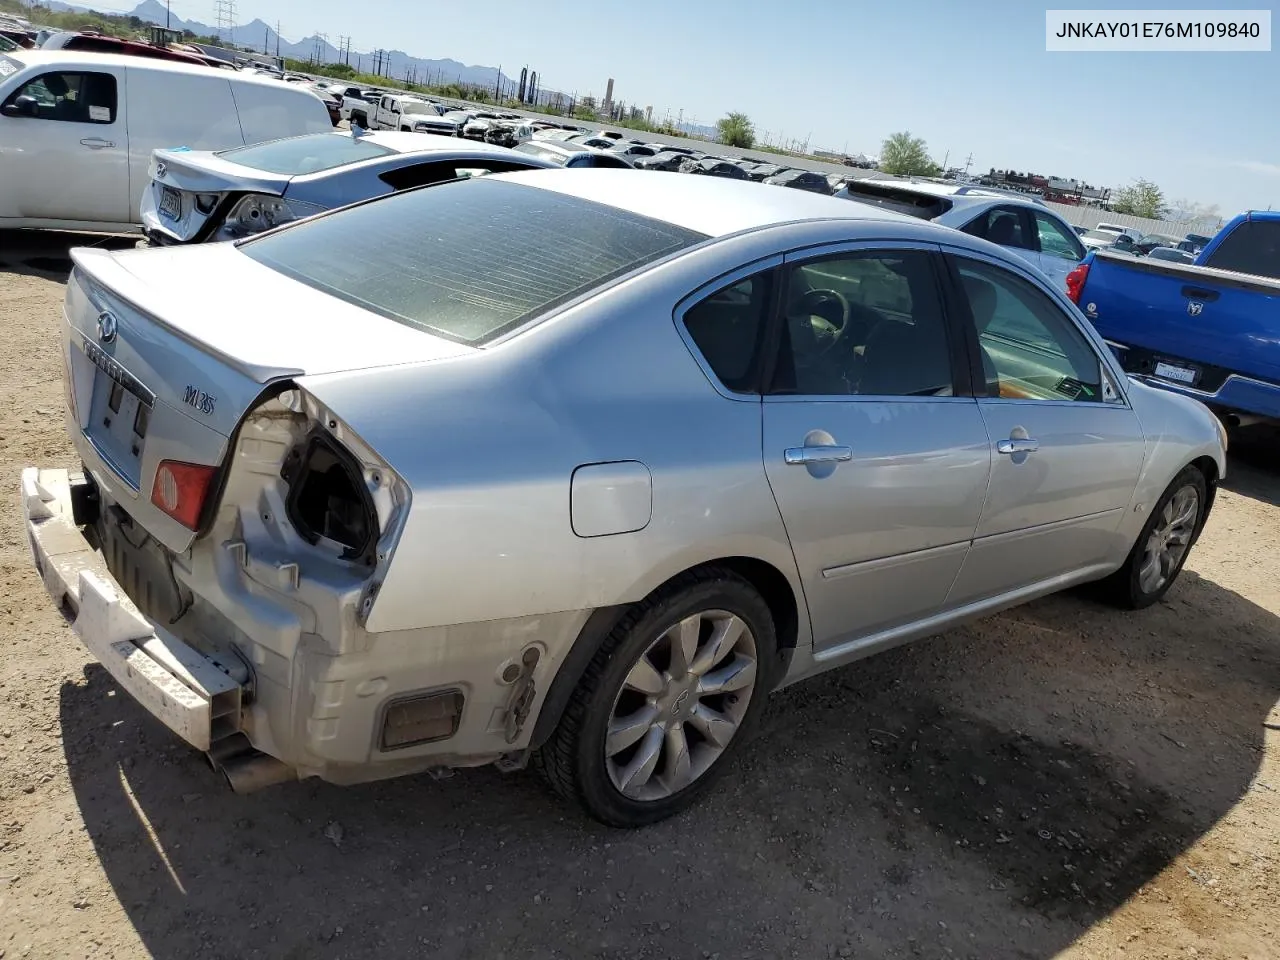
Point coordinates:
[(96, 143), (1015, 445), (800, 456)]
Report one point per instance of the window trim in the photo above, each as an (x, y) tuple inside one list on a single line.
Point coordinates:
[(764, 265), (961, 376), (952, 255)]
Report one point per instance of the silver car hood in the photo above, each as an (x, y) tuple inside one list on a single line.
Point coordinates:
[(195, 172)]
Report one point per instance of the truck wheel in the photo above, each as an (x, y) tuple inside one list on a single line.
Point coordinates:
[(1163, 545), (666, 702), (360, 119)]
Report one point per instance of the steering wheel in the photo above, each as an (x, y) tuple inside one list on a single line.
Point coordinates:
[(818, 306)]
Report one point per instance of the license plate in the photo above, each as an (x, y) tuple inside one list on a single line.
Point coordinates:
[(170, 203), (1167, 371)]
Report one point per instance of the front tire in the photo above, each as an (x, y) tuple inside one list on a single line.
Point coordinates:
[(666, 702), (1163, 545)]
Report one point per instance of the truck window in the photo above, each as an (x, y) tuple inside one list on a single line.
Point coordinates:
[(1253, 248), (71, 97)]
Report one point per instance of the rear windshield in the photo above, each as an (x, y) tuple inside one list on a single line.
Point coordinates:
[(306, 154), (913, 204), (1253, 247), (467, 260), (554, 156)]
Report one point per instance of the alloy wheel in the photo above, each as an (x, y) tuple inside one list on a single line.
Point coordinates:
[(680, 705), (1169, 540)]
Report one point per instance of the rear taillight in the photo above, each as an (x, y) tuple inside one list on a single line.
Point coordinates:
[(180, 490), (1075, 281)]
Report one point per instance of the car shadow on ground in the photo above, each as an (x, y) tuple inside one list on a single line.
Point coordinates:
[(992, 792), (1253, 463), (47, 253)]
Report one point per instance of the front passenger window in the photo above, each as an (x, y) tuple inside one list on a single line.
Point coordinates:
[(1030, 348), (71, 97)]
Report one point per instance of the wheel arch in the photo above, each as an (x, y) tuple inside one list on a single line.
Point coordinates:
[(770, 582), (1208, 467)]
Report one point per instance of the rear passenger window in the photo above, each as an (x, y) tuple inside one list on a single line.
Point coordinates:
[(727, 328), (1002, 226), (71, 97)]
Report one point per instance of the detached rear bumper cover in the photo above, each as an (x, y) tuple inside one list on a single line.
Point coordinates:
[(178, 684)]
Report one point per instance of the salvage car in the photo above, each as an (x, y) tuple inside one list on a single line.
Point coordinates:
[(1024, 225), (77, 129), (801, 180), (713, 167), (575, 468), (668, 160), (572, 154), (199, 195)]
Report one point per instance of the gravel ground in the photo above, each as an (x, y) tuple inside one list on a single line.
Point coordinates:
[(1060, 780)]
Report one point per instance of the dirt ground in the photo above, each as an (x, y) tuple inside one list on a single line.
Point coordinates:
[(1061, 780)]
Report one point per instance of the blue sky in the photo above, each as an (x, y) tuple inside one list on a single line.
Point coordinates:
[(967, 77)]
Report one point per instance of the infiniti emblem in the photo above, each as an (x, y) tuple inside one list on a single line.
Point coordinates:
[(107, 325)]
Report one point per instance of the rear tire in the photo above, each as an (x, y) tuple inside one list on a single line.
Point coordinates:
[(666, 703), (1163, 545)]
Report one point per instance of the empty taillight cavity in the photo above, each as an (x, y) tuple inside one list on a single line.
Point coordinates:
[(180, 490)]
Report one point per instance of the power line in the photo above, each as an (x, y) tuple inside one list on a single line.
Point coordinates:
[(224, 13)]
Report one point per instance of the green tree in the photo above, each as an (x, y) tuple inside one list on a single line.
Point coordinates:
[(1142, 198), (907, 156), (736, 130)]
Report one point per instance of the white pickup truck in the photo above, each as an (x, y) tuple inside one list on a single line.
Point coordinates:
[(393, 112)]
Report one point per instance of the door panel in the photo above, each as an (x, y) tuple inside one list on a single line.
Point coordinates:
[(878, 468), (1066, 450), (74, 161), (880, 537)]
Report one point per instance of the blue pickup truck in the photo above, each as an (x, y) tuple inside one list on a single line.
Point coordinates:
[(1210, 330)]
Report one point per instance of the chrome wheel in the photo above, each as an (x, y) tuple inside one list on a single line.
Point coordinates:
[(680, 705), (1169, 539)]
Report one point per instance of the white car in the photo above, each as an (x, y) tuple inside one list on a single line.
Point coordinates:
[(1023, 225), (77, 129)]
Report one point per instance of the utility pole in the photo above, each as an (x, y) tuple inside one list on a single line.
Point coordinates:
[(497, 87), (968, 162), (277, 39), (166, 14)]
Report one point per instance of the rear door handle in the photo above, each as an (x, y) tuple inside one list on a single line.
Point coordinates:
[(96, 143), (1200, 293), (799, 456), (1012, 446)]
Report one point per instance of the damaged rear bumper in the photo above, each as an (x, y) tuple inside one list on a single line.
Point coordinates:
[(346, 707), (188, 692)]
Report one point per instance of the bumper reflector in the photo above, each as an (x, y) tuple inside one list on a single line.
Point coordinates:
[(422, 718)]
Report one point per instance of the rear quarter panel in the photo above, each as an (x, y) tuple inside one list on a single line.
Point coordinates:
[(489, 444)]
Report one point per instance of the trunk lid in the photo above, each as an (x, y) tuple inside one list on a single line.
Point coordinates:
[(161, 367), (190, 190)]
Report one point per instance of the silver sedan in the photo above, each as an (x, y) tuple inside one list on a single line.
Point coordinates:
[(201, 195), (575, 468)]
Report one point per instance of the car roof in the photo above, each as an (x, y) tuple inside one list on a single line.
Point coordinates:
[(710, 205), (88, 60), (402, 142), (559, 146)]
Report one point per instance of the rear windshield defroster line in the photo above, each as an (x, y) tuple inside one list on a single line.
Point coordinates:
[(467, 260)]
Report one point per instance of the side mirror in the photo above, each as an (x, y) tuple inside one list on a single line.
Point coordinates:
[(23, 106)]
